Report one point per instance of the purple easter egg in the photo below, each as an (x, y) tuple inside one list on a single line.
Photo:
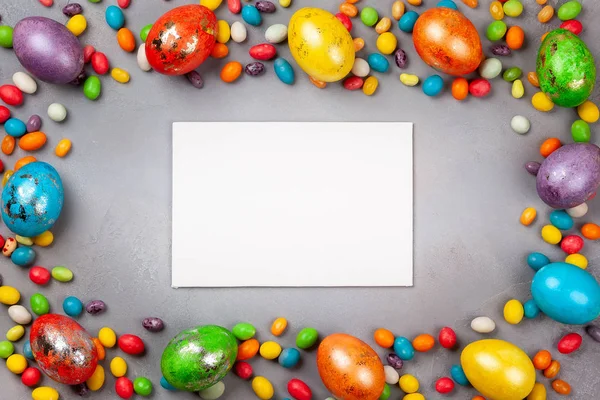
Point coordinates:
[(570, 175), (47, 49)]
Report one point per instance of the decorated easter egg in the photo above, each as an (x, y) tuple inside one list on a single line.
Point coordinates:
[(32, 199), (181, 39), (569, 175), (320, 44), (447, 41), (47, 49), (566, 293), (350, 368), (565, 68), (198, 358), (498, 370), (63, 349)]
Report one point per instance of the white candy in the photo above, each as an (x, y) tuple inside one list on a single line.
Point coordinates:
[(19, 314), (238, 32), (578, 211), (213, 392), (57, 112), (24, 82), (141, 58), (483, 325), (520, 124), (361, 67), (391, 375), (276, 33), (490, 68)]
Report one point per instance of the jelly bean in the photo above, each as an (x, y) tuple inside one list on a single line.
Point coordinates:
[(520, 124), (513, 8), (404, 348), (580, 131), (299, 390), (25, 241), (577, 260), (409, 384), (244, 331), (100, 63), (518, 90), (569, 10), (72, 306), (123, 3), (92, 87), (400, 58), (6, 36), (444, 385), (590, 231), (19, 314), (423, 342), (458, 374), (531, 309), (483, 325), (34, 123), (348, 9), (4, 114), (538, 392), (433, 85), (307, 338), (114, 17), (552, 370), (542, 102), (496, 31), (285, 3), (247, 349), (120, 75), (479, 87), (345, 20), (262, 388), (378, 62), (234, 6), (44, 239), (383, 25), (569, 343), (153, 324), (32, 141), (359, 43), (496, 10), (96, 381), (57, 112), (414, 2), (166, 385), (387, 392), (142, 60), (276, 33), (572, 25), (407, 21), (15, 127), (251, 15), (588, 112), (551, 234), (6, 349), (244, 370), (211, 4), (143, 387), (131, 344), (27, 352), (39, 304), (460, 88), (31, 376), (263, 52), (391, 375), (239, 32), (62, 149), (533, 79), (537, 260), (72, 9), (409, 80), (88, 52), (414, 396), (224, 32), (394, 361), (386, 43), (45, 393), (500, 50), (571, 244), (578, 211), (77, 24), (5, 178), (513, 312), (490, 68), (255, 68), (289, 358), (24, 82), (15, 333), (99, 349), (545, 14), (284, 71), (23, 256), (561, 220), (542, 360), (447, 4), (118, 367), (384, 338), (369, 16), (512, 73), (126, 40), (16, 364), (353, 83), (10, 246), (270, 350), (398, 9), (592, 330), (219, 51), (549, 145), (361, 67), (124, 387), (265, 6), (144, 32), (561, 387), (107, 337)]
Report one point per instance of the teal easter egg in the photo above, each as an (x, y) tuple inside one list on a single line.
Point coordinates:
[(199, 357), (566, 293), (32, 199)]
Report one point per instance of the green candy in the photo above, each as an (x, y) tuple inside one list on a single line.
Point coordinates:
[(94, 1), (6, 36), (62, 274), (385, 395), (92, 87), (307, 338), (580, 130), (512, 74), (513, 8), (199, 357), (144, 32), (496, 30), (142, 386), (39, 304), (569, 10), (6, 349), (369, 16), (244, 331)]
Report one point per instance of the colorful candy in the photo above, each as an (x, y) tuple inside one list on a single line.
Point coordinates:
[(531, 309), (62, 274), (408, 383), (513, 312), (262, 388), (243, 370), (247, 349), (480, 87), (284, 71), (447, 338), (307, 338), (124, 387), (407, 21), (31, 376), (569, 343), (588, 112), (143, 387), (528, 216), (19, 314), (114, 17), (551, 234), (299, 390), (131, 344), (404, 348), (16, 364), (96, 381), (289, 358), (458, 374), (391, 375), (423, 342), (483, 325), (270, 350), (433, 85), (39, 304), (45, 393), (251, 15), (569, 10), (444, 385)]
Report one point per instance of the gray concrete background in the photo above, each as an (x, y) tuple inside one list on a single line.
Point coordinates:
[(470, 188)]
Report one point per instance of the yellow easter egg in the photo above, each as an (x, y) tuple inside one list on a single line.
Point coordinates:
[(96, 381), (499, 370), (320, 44), (45, 393)]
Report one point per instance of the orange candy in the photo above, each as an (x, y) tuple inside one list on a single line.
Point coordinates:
[(460, 88), (549, 146), (423, 342), (541, 2), (247, 349), (126, 39), (8, 145), (533, 79), (546, 14), (515, 37), (561, 387), (231, 71), (279, 326), (63, 147), (528, 216), (496, 10), (220, 50), (317, 83), (542, 359), (349, 9), (359, 43), (99, 349), (478, 398), (590, 231), (384, 338), (552, 370), (32, 141), (470, 3), (24, 161)]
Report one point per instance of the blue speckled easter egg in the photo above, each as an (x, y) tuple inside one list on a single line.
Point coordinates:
[(32, 199)]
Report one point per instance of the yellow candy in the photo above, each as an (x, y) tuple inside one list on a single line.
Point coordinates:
[(285, 3), (211, 4), (63, 147), (77, 24), (16, 364), (518, 90), (528, 215), (370, 85), (387, 42), (44, 239), (578, 260), (409, 80), (538, 392), (270, 350), (408, 383), (383, 25), (25, 241), (588, 112), (513, 312), (542, 102), (262, 388), (551, 234), (414, 396), (45, 393), (120, 75), (107, 337), (224, 32), (118, 367), (96, 381), (7, 174), (9, 295), (15, 333)]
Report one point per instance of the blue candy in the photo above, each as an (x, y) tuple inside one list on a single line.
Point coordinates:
[(531, 309), (166, 385), (537, 261), (561, 220), (448, 4), (27, 350), (378, 62), (114, 17), (72, 306), (404, 348), (289, 358), (251, 15), (407, 21), (15, 127), (23, 256), (284, 70), (433, 85), (458, 374)]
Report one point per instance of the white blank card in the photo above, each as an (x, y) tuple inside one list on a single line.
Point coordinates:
[(280, 204)]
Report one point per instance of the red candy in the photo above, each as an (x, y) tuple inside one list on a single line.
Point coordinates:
[(572, 25), (124, 388), (131, 344), (345, 20), (235, 6), (299, 390), (264, 51), (447, 338), (88, 52), (1, 168), (243, 370), (4, 114), (39, 275), (479, 87), (1, 241), (47, 3), (11, 95), (571, 244), (31, 376), (100, 63), (123, 3), (444, 385), (353, 83), (569, 343)]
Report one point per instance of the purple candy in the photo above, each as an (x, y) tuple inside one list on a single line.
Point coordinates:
[(47, 49), (153, 324), (500, 50), (195, 79), (1, 280), (34, 123), (95, 307), (255, 68), (394, 361), (80, 78), (400, 58), (533, 167), (265, 6), (72, 9), (594, 332), (81, 389), (570, 175)]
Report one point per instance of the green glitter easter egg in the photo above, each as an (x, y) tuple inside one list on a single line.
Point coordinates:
[(199, 357), (565, 68)]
